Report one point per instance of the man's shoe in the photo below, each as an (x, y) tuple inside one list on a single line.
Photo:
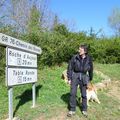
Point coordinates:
[(71, 113), (85, 113)]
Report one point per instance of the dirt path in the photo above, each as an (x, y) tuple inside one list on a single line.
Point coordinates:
[(114, 89)]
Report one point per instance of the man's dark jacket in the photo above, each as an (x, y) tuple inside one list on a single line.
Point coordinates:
[(79, 65)]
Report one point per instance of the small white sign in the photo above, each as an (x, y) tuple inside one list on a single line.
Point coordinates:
[(20, 58), (6, 40), (17, 76)]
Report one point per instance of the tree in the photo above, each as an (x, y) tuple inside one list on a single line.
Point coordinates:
[(92, 34), (114, 20), (46, 16), (33, 22), (17, 13), (2, 2), (34, 26), (61, 29), (55, 22)]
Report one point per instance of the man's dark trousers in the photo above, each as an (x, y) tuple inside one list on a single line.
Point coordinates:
[(73, 92)]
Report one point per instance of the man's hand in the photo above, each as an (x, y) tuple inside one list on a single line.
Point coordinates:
[(69, 82)]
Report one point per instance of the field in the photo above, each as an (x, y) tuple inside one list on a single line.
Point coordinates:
[(53, 97)]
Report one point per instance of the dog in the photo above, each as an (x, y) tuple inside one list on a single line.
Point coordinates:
[(92, 94), (64, 76)]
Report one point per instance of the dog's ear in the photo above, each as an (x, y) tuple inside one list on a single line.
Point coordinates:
[(89, 86)]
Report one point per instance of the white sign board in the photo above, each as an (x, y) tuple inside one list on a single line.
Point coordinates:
[(20, 58), (21, 64), (16, 76), (6, 40)]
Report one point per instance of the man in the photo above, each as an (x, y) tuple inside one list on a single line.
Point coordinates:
[(79, 72)]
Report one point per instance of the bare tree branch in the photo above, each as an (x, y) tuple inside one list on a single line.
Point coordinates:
[(2, 2)]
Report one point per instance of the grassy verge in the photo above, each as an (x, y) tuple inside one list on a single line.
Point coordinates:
[(112, 70), (52, 99)]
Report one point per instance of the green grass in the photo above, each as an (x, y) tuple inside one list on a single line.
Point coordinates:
[(112, 70), (52, 99)]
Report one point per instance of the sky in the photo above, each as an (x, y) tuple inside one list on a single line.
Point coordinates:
[(86, 13)]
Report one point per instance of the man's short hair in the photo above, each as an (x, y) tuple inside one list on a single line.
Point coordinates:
[(85, 47)]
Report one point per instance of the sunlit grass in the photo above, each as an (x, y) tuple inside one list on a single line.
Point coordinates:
[(52, 97)]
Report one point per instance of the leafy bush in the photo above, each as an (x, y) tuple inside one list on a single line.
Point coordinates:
[(60, 45)]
